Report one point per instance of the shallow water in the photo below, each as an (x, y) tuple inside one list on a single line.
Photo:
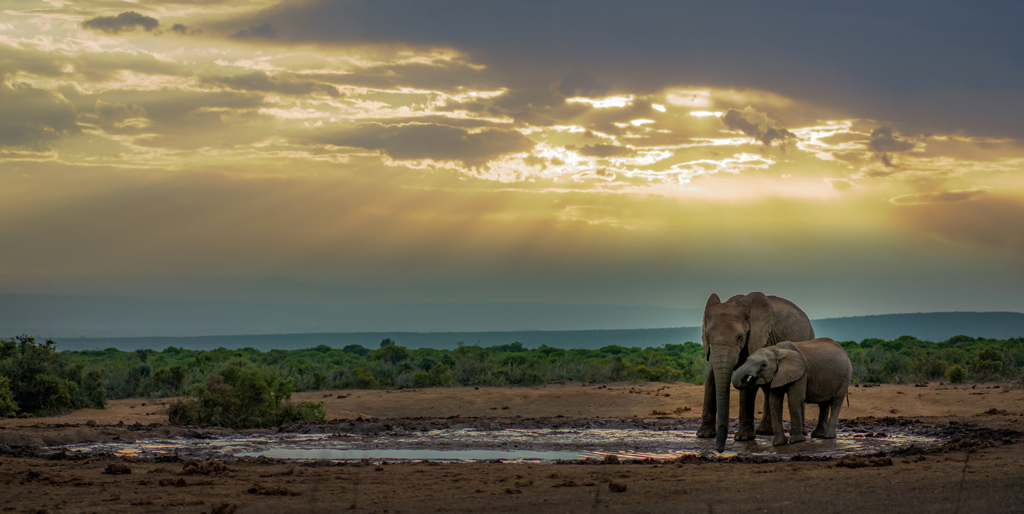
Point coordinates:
[(509, 445)]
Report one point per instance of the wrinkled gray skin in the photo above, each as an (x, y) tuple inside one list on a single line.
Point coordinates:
[(732, 330), (816, 371)]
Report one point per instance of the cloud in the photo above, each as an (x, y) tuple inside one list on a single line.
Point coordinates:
[(264, 31), (756, 125), (124, 22), (883, 143), (644, 50), (600, 150), (259, 81), (839, 184), (436, 142), (182, 119), (33, 118), (183, 30), (578, 83), (114, 114), (940, 197), (445, 75)]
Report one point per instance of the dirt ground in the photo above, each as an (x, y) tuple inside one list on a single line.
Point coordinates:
[(980, 470)]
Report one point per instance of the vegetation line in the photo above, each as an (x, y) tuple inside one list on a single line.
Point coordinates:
[(36, 378)]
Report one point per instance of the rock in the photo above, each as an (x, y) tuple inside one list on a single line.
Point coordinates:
[(224, 508), (207, 467), (616, 487), (273, 490), (117, 468)]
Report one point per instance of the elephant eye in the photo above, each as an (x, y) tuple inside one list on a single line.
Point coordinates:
[(739, 338), (763, 365)]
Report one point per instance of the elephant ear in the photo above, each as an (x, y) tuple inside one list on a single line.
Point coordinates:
[(762, 318), (712, 301), (791, 366)]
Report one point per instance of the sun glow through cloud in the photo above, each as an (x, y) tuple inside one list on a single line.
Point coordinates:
[(259, 139)]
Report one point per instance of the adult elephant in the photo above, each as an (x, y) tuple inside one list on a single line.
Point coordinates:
[(733, 330)]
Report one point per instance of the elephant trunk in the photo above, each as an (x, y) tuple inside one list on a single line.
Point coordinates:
[(723, 372), (742, 377)]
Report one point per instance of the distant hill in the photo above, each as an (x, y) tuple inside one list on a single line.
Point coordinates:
[(927, 326), (933, 326)]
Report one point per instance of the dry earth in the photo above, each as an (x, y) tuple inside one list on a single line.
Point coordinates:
[(983, 471)]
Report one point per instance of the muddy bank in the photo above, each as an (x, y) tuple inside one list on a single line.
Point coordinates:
[(514, 439), (976, 463)]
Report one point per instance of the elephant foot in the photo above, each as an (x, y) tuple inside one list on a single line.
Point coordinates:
[(797, 438), (821, 433), (745, 434), (707, 431), (779, 440), (764, 428)]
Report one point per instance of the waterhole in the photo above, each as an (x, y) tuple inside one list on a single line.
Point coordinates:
[(507, 445)]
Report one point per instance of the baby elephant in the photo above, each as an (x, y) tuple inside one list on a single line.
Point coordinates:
[(816, 371)]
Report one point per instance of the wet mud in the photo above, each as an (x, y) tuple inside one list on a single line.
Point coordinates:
[(537, 440)]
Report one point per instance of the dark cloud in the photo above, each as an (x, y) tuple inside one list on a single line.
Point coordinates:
[(756, 125), (884, 143), (955, 67), (33, 118), (181, 29), (436, 142), (536, 107), (124, 22), (265, 31), (939, 197), (605, 150), (113, 114), (578, 83), (182, 119), (259, 81), (90, 66)]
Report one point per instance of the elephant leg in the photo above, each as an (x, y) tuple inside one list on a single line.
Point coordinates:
[(707, 417), (833, 419), (746, 430), (775, 397), (803, 416), (764, 427), (820, 430), (796, 397)]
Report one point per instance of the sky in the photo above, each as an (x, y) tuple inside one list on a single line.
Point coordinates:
[(856, 159)]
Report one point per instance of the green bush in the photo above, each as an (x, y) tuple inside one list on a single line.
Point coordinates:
[(243, 395), (7, 406), (40, 380), (956, 373)]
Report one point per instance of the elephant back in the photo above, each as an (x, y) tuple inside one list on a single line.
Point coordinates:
[(791, 323)]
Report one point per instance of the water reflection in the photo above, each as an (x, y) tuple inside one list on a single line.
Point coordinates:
[(468, 444)]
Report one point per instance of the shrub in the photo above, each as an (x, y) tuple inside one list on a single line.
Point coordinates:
[(7, 406), (243, 395), (40, 381), (956, 373)]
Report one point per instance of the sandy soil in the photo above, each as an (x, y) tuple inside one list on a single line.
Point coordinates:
[(983, 472)]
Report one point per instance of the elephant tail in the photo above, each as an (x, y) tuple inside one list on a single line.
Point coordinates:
[(847, 398)]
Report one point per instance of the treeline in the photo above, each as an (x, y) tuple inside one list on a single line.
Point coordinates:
[(73, 379), (176, 371), (907, 359)]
